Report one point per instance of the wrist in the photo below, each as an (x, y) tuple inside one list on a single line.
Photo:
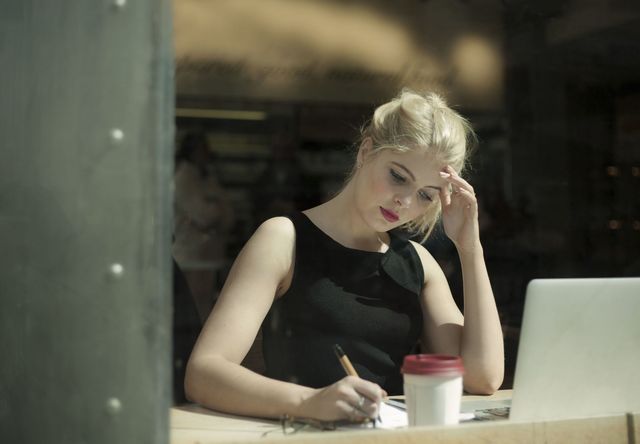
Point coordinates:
[(470, 251), (300, 406)]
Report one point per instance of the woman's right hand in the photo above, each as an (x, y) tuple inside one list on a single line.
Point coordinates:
[(351, 398)]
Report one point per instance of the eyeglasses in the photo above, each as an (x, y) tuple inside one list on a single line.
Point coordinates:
[(290, 425)]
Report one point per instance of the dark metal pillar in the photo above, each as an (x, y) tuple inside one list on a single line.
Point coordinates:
[(86, 136)]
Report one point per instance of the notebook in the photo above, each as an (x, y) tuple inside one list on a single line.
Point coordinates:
[(579, 350)]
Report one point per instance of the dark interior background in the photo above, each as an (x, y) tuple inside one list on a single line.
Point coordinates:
[(555, 106)]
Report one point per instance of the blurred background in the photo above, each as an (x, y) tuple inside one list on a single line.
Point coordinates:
[(270, 95), (266, 98)]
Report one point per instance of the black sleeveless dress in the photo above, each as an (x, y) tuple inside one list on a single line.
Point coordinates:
[(366, 302)]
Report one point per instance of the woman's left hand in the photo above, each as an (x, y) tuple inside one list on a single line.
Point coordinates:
[(459, 211)]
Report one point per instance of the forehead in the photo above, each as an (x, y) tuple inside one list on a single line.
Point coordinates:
[(423, 169), (420, 163)]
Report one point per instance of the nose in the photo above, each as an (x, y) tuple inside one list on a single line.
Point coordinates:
[(403, 200)]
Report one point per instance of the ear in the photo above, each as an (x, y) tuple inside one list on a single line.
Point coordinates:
[(366, 147)]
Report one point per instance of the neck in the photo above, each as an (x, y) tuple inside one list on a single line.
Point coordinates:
[(340, 218)]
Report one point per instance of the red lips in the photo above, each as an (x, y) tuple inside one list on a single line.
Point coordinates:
[(389, 215)]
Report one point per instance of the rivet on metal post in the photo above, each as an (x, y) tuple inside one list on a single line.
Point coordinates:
[(114, 406), (116, 270), (117, 135)]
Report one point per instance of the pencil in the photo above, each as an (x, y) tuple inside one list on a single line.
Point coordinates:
[(344, 360), (347, 366)]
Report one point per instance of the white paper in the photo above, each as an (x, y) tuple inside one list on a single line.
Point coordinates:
[(391, 417)]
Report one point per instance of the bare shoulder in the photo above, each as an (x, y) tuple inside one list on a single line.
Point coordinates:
[(275, 240), (429, 264), (271, 250), (279, 227)]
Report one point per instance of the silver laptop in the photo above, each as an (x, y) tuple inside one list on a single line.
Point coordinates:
[(579, 350)]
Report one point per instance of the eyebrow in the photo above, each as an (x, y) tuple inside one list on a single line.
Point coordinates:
[(408, 171)]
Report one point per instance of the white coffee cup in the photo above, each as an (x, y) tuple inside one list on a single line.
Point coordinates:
[(432, 389)]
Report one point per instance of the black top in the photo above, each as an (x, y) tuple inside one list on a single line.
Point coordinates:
[(367, 302)]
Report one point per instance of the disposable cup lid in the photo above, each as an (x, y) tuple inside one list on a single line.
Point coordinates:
[(427, 364)]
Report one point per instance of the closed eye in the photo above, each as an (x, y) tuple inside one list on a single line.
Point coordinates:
[(397, 177), (423, 195)]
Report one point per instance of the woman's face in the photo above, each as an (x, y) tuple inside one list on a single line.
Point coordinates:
[(394, 188)]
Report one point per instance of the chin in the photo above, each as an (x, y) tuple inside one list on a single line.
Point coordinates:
[(375, 222), (384, 225)]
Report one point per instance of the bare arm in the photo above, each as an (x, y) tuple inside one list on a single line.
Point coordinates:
[(482, 347), (215, 377), (477, 336)]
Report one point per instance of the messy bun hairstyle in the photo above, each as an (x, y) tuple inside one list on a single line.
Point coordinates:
[(424, 122)]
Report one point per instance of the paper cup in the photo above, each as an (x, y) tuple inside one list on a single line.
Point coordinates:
[(432, 389)]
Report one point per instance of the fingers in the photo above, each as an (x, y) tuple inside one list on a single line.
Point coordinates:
[(461, 190), (359, 408), (350, 398), (445, 196), (457, 182), (363, 397), (468, 200), (368, 389), (364, 407)]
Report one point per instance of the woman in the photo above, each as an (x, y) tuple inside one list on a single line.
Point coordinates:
[(337, 274)]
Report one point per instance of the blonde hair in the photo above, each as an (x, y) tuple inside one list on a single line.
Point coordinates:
[(425, 122)]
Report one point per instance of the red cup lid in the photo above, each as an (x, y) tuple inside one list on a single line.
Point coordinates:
[(426, 364)]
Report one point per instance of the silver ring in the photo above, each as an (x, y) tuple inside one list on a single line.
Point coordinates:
[(360, 402)]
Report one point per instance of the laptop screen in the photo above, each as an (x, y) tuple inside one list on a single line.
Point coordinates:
[(579, 350)]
